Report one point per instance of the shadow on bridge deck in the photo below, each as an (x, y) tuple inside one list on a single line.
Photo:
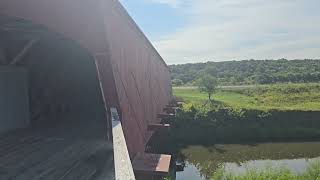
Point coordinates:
[(25, 154)]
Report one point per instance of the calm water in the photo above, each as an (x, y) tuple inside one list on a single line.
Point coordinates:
[(202, 161)]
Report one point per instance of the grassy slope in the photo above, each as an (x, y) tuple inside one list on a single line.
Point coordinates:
[(273, 173), (265, 98)]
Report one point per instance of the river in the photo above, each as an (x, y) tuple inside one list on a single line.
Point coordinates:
[(202, 161)]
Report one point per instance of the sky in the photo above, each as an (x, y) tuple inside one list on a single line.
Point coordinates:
[(190, 31)]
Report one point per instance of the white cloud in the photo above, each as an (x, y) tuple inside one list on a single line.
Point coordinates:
[(172, 3), (243, 29)]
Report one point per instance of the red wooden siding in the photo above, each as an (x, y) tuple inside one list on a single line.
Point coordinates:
[(141, 76)]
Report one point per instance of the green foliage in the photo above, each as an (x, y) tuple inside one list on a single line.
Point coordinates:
[(218, 123), (271, 173), (313, 171), (304, 97), (258, 113), (210, 70), (207, 84), (251, 71)]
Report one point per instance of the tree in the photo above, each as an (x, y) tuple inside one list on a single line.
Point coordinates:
[(250, 71), (211, 70), (207, 84), (177, 82)]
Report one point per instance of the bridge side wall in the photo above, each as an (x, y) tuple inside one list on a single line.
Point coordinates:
[(141, 76)]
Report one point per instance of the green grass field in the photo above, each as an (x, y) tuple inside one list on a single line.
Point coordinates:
[(281, 97), (273, 173)]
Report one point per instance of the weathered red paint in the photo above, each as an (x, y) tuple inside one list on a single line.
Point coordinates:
[(134, 78), (151, 166), (141, 76)]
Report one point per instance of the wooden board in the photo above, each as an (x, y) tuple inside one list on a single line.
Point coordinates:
[(155, 164), (32, 156)]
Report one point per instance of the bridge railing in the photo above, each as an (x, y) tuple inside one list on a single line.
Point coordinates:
[(122, 162)]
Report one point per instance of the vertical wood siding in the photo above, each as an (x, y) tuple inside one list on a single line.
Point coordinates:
[(142, 78)]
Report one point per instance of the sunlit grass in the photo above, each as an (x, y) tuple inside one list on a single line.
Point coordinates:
[(262, 98), (272, 173)]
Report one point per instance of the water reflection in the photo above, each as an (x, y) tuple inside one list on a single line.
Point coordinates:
[(190, 172), (202, 162)]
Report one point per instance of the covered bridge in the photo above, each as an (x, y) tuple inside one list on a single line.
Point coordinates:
[(65, 67)]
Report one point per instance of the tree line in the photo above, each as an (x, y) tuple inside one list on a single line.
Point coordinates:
[(248, 72)]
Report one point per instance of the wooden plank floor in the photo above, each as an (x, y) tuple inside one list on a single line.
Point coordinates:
[(30, 156)]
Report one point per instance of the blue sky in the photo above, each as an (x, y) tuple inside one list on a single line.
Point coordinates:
[(155, 19), (188, 31)]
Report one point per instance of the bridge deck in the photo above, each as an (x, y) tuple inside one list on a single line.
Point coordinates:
[(28, 155)]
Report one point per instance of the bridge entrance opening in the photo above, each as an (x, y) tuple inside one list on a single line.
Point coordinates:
[(53, 121)]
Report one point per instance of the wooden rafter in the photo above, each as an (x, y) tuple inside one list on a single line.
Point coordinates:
[(24, 51)]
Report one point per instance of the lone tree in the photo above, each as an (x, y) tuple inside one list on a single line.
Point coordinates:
[(208, 84)]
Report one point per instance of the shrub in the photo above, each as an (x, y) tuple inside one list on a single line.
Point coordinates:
[(198, 124)]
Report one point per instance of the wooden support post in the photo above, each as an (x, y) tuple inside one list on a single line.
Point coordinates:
[(164, 116), (175, 105), (157, 127), (24, 51), (178, 104), (171, 106), (175, 101), (170, 110)]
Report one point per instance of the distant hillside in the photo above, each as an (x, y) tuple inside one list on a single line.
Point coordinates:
[(249, 71)]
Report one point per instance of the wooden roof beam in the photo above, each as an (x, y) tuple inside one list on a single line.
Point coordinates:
[(24, 52)]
